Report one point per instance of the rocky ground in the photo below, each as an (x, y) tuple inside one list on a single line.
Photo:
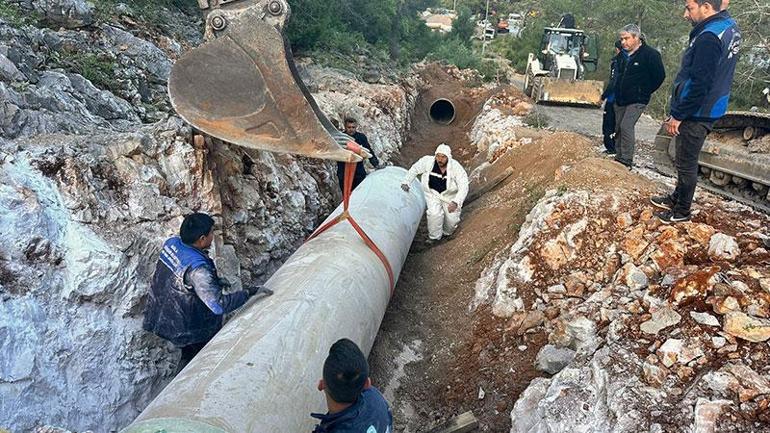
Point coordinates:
[(560, 304), (578, 310), (96, 170)]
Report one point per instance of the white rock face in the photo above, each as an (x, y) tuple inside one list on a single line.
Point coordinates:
[(499, 283), (589, 397), (383, 111), (496, 281), (494, 129), (88, 194)]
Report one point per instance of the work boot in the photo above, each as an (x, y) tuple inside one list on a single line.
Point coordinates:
[(670, 217), (628, 166), (662, 201)]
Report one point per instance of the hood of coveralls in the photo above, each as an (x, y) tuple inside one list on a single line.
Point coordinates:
[(445, 150)]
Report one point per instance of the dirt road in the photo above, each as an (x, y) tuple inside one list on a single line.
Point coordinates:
[(588, 121)]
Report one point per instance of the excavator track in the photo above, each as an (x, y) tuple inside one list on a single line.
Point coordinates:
[(729, 164), (704, 183)]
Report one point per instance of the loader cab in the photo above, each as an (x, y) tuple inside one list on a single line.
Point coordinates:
[(570, 42)]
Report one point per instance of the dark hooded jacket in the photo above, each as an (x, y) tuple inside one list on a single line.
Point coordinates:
[(360, 173), (639, 75), (186, 304)]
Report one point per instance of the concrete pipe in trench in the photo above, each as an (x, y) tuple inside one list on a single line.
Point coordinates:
[(259, 373), (442, 111)]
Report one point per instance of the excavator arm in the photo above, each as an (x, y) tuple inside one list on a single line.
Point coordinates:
[(242, 85)]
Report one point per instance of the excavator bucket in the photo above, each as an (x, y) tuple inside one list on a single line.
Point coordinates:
[(572, 92), (243, 88)]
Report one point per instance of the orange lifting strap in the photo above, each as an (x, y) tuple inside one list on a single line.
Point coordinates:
[(350, 168)]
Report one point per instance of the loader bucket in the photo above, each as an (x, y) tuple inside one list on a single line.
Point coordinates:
[(572, 92), (243, 88)]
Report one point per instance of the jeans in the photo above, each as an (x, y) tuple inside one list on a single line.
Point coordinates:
[(625, 134), (689, 143), (189, 351), (608, 127)]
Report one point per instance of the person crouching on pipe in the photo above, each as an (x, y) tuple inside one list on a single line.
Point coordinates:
[(445, 184)]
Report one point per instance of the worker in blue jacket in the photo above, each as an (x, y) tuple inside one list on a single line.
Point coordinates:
[(354, 405), (186, 303), (700, 95)]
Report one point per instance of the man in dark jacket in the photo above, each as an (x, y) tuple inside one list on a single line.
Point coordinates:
[(186, 303), (351, 128), (354, 405), (640, 73), (700, 96), (608, 97)]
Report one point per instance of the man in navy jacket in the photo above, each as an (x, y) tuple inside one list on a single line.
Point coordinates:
[(608, 97), (699, 97), (354, 405), (640, 73)]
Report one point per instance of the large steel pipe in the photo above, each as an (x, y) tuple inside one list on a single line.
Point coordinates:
[(259, 373), (442, 111)]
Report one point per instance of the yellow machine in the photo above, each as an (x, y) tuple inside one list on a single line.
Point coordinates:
[(556, 74)]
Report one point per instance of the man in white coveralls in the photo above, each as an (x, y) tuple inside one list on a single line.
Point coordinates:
[(445, 184)]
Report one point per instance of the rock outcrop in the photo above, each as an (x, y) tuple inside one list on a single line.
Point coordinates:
[(670, 331), (95, 172)]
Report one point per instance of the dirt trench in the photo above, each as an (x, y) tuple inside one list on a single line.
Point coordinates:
[(433, 357)]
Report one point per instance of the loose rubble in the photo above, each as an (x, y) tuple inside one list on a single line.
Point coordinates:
[(674, 308)]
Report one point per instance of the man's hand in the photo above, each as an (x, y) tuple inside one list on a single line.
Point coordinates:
[(405, 187), (452, 207), (258, 290), (672, 126)]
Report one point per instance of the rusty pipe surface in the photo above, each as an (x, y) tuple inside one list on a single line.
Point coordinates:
[(259, 373)]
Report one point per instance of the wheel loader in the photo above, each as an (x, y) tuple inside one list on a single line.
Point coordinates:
[(557, 73), (242, 85), (734, 161)]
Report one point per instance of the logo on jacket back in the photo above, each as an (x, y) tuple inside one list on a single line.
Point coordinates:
[(735, 45)]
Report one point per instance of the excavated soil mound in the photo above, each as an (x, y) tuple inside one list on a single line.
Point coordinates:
[(436, 356), (466, 354)]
